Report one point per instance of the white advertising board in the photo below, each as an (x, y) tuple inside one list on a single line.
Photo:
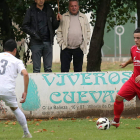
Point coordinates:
[(59, 94)]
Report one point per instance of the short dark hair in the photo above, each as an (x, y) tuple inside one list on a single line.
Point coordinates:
[(10, 45), (137, 30), (74, 0)]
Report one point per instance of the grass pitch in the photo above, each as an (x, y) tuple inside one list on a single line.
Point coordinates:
[(71, 129), (105, 66)]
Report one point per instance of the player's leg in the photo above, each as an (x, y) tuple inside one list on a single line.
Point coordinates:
[(21, 120), (118, 109), (126, 92), (11, 101)]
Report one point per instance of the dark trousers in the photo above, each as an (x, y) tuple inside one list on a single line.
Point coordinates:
[(44, 50), (66, 57)]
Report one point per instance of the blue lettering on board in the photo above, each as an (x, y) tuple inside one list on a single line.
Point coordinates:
[(101, 76), (85, 76), (108, 93), (127, 74), (46, 79), (87, 79), (92, 93), (70, 97), (56, 94), (71, 79), (115, 75), (62, 76), (81, 95)]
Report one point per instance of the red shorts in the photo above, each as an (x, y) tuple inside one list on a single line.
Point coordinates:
[(129, 90)]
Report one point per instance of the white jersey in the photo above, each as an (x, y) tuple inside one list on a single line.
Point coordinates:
[(10, 66)]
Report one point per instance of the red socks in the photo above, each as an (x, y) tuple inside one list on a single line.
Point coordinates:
[(118, 109)]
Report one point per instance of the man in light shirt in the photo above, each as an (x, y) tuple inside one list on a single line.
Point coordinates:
[(73, 36), (10, 66)]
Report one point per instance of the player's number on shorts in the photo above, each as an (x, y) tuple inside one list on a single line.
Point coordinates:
[(3, 66)]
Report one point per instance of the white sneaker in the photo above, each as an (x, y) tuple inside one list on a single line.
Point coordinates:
[(27, 136), (113, 123)]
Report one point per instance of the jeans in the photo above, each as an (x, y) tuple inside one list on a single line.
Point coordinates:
[(66, 57), (44, 50)]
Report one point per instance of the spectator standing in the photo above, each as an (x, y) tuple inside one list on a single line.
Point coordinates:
[(40, 23), (73, 36)]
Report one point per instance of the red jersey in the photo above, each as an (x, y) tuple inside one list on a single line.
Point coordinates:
[(135, 54)]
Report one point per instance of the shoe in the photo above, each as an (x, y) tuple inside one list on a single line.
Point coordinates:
[(27, 136), (48, 70), (114, 123)]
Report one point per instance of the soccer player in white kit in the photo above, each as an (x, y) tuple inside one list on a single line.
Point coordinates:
[(10, 66)]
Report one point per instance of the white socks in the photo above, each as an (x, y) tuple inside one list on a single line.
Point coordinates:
[(22, 120)]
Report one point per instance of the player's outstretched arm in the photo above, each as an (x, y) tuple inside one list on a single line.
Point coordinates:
[(26, 81), (123, 65)]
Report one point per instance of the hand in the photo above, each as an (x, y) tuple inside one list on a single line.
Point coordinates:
[(23, 97), (123, 65), (137, 79), (59, 16)]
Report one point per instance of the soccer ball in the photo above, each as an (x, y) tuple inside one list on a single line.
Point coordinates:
[(103, 123)]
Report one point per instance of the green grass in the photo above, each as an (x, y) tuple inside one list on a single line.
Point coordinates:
[(67, 129), (105, 66)]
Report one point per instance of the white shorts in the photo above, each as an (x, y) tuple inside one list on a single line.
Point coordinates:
[(10, 101)]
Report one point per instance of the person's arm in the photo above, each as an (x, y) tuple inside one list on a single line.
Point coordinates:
[(26, 81), (123, 65), (59, 34)]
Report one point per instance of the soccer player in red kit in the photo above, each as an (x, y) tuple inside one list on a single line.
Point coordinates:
[(131, 88)]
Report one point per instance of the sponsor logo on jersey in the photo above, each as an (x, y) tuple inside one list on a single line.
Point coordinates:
[(136, 62)]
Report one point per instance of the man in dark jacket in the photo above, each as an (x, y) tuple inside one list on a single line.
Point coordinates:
[(40, 23)]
